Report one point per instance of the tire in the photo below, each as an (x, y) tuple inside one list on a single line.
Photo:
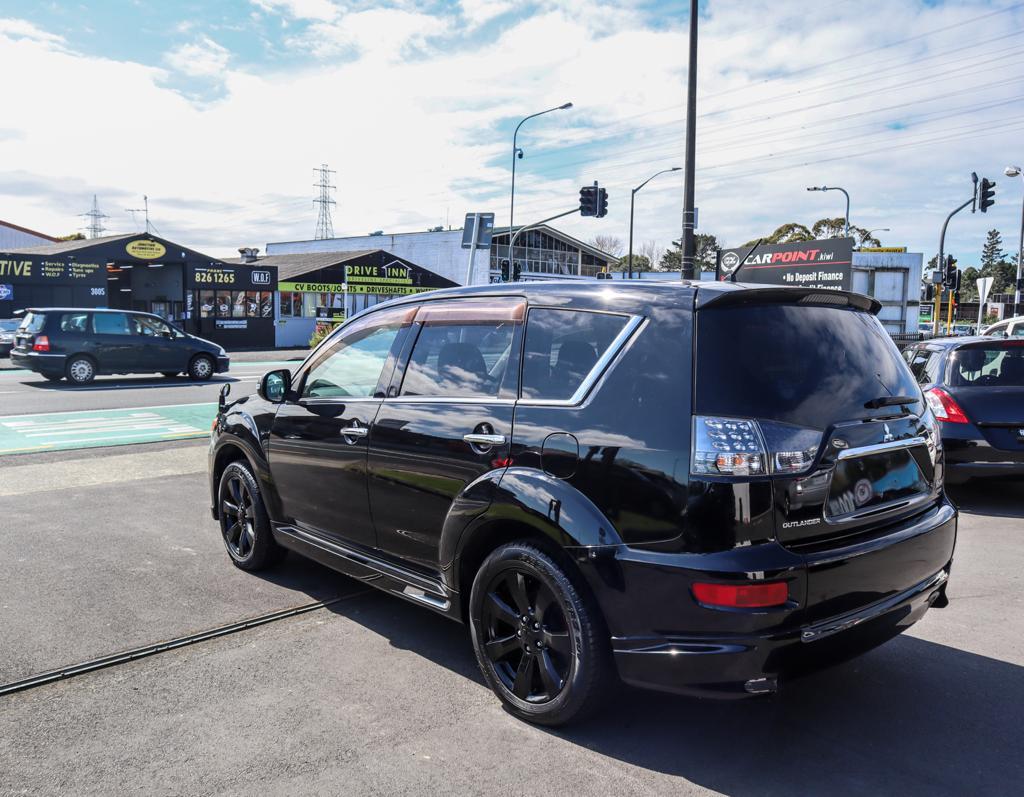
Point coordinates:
[(555, 667), (169, 374), (201, 368), (81, 370), (247, 535)]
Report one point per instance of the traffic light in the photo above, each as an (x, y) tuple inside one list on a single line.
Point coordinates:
[(504, 271), (602, 203), (517, 271), (588, 200), (949, 272), (986, 194), (956, 297)]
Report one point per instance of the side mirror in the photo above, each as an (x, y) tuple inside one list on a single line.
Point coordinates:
[(275, 385)]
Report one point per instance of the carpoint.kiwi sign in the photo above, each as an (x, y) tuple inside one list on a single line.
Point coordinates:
[(823, 264)]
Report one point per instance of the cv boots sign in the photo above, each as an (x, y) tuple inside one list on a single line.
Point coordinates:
[(805, 264)]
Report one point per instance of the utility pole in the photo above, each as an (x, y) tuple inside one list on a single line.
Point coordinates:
[(324, 225), (95, 227), (144, 209), (689, 222)]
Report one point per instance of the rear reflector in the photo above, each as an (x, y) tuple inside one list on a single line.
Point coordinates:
[(742, 596), (944, 406), (42, 343)]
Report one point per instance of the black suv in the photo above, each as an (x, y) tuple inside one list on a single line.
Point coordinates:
[(79, 344), (695, 487)]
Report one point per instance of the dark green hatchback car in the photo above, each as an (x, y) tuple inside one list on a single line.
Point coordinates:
[(78, 344)]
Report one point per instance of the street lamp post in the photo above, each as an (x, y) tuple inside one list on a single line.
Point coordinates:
[(516, 154), (632, 202), (837, 188), (1015, 171)]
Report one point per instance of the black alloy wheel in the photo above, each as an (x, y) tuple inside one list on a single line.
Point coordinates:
[(539, 638), (244, 523), (526, 636)]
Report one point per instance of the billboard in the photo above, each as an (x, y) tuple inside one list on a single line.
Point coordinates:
[(825, 264)]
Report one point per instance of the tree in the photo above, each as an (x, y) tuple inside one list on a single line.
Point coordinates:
[(74, 236), (992, 251), (671, 259), (640, 263), (822, 228), (652, 251), (608, 243), (707, 251)]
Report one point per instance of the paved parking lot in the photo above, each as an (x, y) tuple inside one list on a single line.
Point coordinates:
[(107, 549)]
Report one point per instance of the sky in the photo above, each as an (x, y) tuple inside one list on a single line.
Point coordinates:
[(219, 112)]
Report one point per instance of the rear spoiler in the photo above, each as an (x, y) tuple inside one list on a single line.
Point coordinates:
[(747, 294)]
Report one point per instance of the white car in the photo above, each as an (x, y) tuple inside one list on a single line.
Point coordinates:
[(1007, 328)]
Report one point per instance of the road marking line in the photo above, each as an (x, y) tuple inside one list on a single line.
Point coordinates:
[(113, 409)]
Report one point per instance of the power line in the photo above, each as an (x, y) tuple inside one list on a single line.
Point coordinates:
[(324, 224)]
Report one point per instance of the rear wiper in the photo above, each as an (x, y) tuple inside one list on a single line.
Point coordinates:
[(889, 401)]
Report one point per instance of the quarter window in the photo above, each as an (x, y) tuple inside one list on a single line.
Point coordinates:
[(353, 366), (464, 350), (562, 347), (74, 322)]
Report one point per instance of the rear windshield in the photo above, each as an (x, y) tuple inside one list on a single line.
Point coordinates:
[(33, 322), (9, 324), (987, 366), (804, 365)]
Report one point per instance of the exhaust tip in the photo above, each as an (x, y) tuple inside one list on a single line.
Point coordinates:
[(762, 686)]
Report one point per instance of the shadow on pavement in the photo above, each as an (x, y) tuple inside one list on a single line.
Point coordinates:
[(994, 497), (910, 717), (121, 383)]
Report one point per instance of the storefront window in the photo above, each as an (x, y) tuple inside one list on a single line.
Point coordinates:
[(207, 304), (223, 304), (266, 304), (238, 304)]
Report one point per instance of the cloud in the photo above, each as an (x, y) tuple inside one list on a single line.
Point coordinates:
[(415, 111), (478, 12), (300, 9), (203, 58)]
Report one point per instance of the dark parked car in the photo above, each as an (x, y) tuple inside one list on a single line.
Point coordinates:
[(975, 387), (7, 328), (60, 342), (601, 480)]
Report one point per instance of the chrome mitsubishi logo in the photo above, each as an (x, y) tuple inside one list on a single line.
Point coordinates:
[(889, 436)]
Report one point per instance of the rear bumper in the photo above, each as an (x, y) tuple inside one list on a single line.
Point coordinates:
[(968, 454), (39, 362), (843, 602), (743, 666)]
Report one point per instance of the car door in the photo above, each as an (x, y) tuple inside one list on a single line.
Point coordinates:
[(447, 420), (159, 351), (318, 441), (113, 342)]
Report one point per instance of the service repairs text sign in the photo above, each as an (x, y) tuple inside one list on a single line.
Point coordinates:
[(825, 264)]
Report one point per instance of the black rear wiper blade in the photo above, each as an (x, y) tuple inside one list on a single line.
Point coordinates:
[(889, 401)]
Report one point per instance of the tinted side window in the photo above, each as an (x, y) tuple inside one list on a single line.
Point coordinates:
[(352, 367), (932, 371), (561, 349), (74, 322), (464, 349), (150, 327), (110, 324)]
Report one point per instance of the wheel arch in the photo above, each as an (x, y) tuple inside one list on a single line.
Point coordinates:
[(527, 505)]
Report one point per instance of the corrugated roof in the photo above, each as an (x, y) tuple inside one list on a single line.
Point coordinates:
[(60, 247), (296, 265)]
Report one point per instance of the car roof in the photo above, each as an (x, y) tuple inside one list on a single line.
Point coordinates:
[(82, 310), (963, 340)]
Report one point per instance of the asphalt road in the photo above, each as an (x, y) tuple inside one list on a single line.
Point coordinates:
[(106, 549)]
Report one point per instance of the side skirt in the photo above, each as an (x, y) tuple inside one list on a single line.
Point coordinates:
[(363, 565)]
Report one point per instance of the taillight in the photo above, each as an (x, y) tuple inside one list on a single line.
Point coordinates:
[(944, 406), (745, 447), (742, 596), (42, 343)]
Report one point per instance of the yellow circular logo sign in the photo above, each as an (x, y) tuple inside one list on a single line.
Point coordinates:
[(146, 250)]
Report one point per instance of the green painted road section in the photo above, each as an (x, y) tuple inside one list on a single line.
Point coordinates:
[(56, 431)]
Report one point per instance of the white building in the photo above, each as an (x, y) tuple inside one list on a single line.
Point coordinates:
[(540, 253)]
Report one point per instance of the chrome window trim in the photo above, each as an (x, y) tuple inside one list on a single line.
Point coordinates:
[(609, 355), (881, 448), (447, 400)]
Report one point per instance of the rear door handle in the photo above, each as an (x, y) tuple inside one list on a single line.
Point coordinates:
[(484, 440)]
